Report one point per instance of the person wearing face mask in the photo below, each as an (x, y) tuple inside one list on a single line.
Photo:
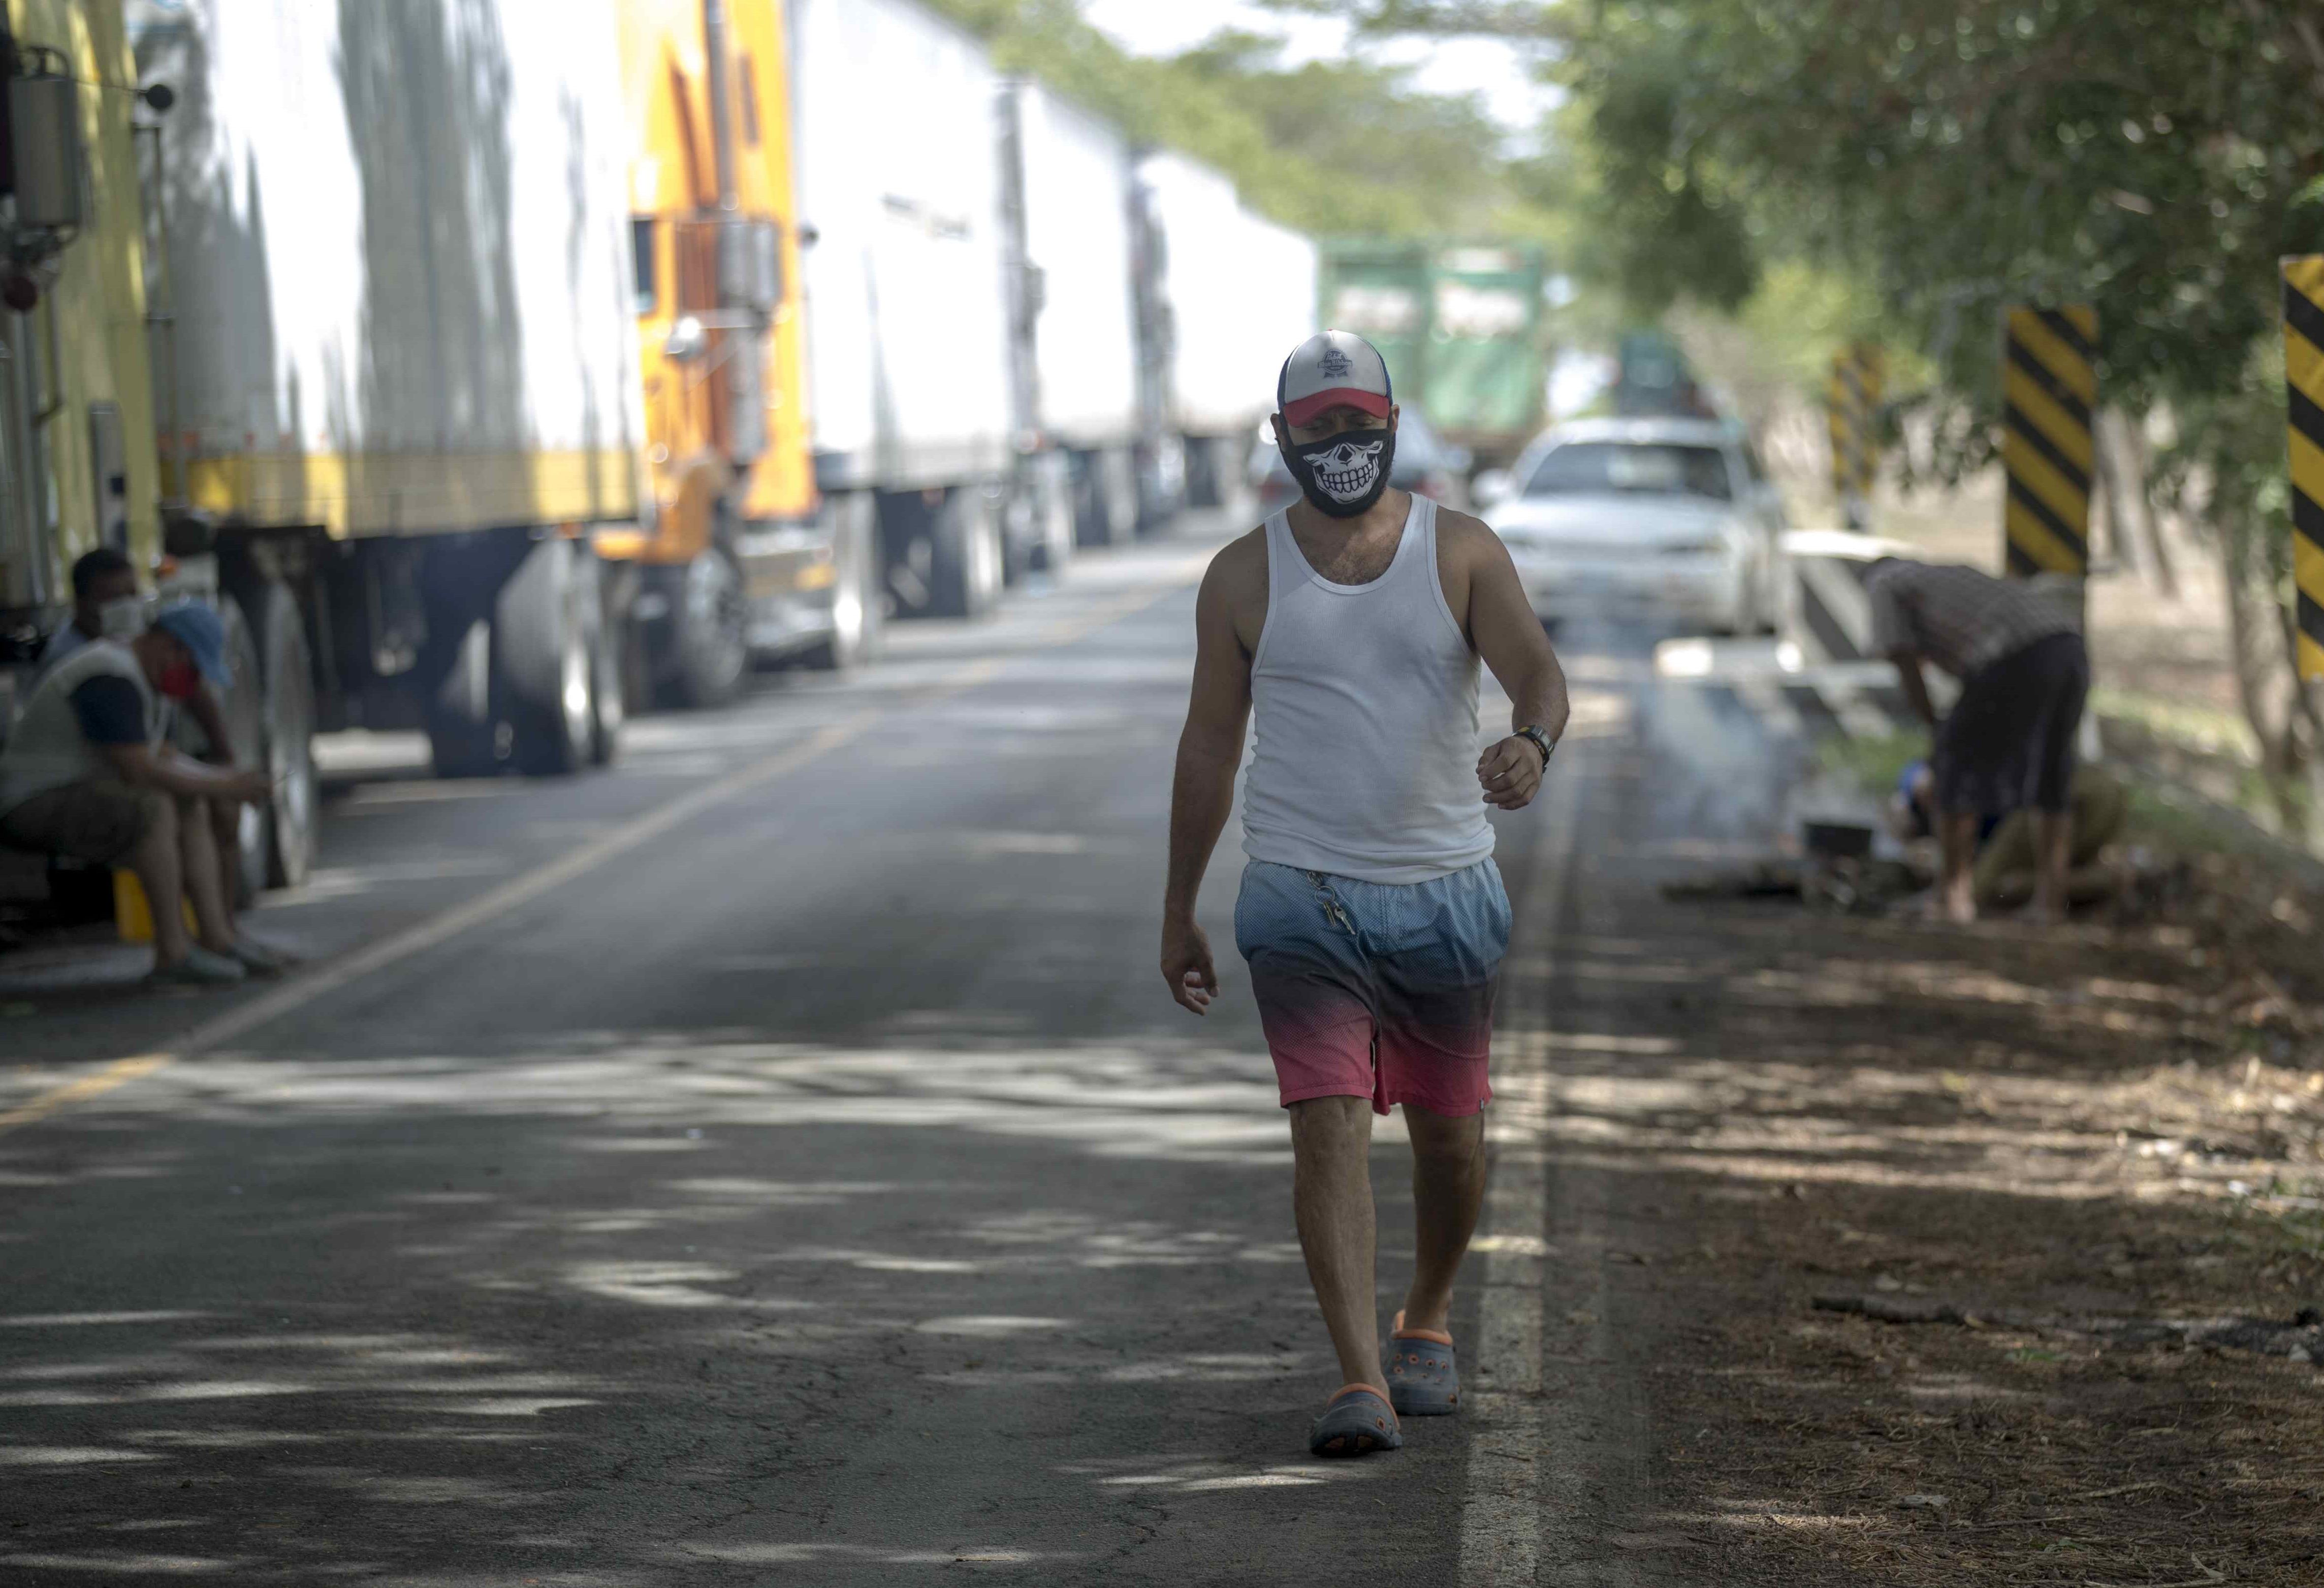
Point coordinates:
[(1371, 914), (88, 773), (107, 606)]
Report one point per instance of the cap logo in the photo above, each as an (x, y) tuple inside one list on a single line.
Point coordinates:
[(1334, 364)]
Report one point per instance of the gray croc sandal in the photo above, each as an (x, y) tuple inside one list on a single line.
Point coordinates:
[(1423, 1380), (1357, 1423)]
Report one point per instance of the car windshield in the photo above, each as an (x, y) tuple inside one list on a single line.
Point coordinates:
[(1656, 469)]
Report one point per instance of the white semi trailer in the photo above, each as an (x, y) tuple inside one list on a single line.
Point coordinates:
[(1067, 208), (906, 336), (1239, 292), (397, 373)]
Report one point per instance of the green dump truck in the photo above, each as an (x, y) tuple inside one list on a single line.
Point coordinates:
[(1460, 324)]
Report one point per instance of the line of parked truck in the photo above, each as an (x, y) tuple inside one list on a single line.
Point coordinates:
[(501, 365)]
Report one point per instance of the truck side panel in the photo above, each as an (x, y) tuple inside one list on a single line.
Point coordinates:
[(908, 338), (55, 500), (1460, 327), (1486, 372), (399, 262), (1077, 233), (1241, 292)]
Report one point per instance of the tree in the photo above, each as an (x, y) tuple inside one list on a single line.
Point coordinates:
[(1293, 138), (2152, 158)]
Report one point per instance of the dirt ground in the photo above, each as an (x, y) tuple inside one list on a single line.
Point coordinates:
[(2092, 1160)]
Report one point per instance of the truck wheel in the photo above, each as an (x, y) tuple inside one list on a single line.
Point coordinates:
[(1205, 481), (964, 565), (609, 668), (462, 732), (244, 706), (858, 604), (1118, 477), (1092, 523), (290, 675), (544, 625), (712, 646)]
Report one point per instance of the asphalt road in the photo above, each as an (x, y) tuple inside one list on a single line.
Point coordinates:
[(777, 1160)]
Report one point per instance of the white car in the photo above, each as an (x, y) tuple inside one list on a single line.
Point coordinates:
[(1670, 518)]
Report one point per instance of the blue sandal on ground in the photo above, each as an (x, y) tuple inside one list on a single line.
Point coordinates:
[(1423, 1378), (1357, 1423)]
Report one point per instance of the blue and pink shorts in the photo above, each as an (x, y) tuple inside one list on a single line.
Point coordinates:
[(1378, 990)]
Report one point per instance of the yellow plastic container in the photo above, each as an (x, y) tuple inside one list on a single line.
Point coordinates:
[(133, 912)]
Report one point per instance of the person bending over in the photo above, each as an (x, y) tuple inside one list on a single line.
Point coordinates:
[(2008, 741)]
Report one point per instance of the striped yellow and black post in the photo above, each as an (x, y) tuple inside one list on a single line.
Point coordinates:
[(1852, 400), (2303, 378), (2050, 390)]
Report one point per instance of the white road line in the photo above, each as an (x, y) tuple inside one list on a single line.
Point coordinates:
[(325, 979), (1500, 1530)]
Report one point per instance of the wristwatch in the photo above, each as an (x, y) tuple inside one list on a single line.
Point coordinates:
[(1541, 742)]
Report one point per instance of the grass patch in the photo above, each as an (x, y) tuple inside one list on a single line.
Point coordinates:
[(1872, 763)]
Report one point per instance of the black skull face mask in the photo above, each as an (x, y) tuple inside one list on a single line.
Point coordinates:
[(1345, 475)]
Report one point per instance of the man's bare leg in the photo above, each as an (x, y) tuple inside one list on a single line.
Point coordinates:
[(226, 831), (1332, 1199), (155, 861), (1448, 1192), (205, 885), (2054, 842), (1957, 881)]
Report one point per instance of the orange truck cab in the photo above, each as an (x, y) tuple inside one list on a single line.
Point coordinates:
[(736, 556)]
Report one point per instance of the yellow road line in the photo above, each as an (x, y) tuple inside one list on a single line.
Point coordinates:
[(328, 978), (119, 1073)]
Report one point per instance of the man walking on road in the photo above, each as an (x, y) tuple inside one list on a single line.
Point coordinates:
[(1372, 913)]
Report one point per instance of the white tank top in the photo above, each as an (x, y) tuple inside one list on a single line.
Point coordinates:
[(1364, 707)]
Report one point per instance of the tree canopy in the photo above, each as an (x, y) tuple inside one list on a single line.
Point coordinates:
[(1327, 147)]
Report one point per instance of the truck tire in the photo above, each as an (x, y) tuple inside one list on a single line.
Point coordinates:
[(711, 646), (965, 564), (859, 606), (1118, 477), (289, 674), (1205, 481), (244, 706), (1093, 520), (463, 730), (545, 626), (609, 668)]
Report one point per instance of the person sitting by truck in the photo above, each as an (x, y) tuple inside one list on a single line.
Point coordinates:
[(106, 606), (2002, 874), (88, 773)]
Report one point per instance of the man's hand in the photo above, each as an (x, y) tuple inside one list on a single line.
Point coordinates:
[(1511, 773), (1186, 966), (253, 786)]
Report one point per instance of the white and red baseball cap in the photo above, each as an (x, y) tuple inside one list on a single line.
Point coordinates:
[(1328, 369)]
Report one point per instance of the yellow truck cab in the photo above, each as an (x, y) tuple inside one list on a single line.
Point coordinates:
[(739, 556)]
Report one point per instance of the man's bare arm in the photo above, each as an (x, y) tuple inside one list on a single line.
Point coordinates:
[(140, 767), (1915, 682), (1513, 643), (1202, 790), (202, 706)]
